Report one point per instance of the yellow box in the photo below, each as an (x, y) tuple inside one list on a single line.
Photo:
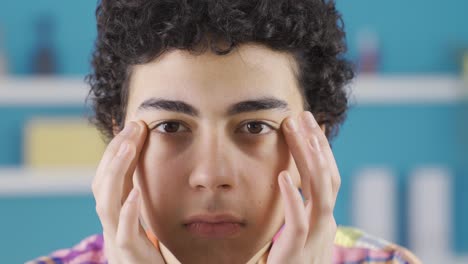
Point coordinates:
[(62, 142)]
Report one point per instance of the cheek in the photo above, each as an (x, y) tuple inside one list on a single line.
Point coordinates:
[(159, 168), (270, 153), (265, 159)]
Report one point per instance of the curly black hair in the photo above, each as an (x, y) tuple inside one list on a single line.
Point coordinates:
[(132, 32)]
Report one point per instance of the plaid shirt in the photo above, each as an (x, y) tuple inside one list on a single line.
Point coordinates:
[(352, 246)]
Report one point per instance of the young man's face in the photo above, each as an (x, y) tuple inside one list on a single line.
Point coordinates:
[(208, 171)]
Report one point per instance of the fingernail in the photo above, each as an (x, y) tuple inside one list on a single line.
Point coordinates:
[(133, 195), (123, 149), (129, 129), (309, 119), (291, 125), (287, 178)]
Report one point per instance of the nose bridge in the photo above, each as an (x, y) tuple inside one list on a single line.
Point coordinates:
[(213, 167)]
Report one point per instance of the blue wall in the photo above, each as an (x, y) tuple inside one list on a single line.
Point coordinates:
[(425, 134), (416, 36), (402, 138), (73, 39), (12, 129), (34, 226)]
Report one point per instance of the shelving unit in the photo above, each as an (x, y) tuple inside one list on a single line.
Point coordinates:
[(62, 91), (38, 182)]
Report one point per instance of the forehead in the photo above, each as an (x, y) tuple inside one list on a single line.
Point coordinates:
[(250, 71)]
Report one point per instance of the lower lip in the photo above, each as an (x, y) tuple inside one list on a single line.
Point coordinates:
[(214, 230)]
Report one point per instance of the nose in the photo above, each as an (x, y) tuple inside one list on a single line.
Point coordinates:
[(212, 169)]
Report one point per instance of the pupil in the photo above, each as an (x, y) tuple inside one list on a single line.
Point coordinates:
[(254, 128), (171, 127)]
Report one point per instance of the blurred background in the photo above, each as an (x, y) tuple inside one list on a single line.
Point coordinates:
[(402, 153)]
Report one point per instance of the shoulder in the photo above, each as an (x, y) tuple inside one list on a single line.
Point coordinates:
[(88, 250), (355, 246)]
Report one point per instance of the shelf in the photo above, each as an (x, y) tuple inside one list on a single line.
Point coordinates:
[(43, 91), (366, 89), (21, 182), (374, 89)]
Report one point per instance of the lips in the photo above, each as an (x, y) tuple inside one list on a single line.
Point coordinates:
[(214, 225)]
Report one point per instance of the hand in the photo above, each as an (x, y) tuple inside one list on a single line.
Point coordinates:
[(309, 232), (125, 240)]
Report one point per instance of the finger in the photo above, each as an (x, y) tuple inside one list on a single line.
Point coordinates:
[(111, 151), (312, 165), (109, 192), (335, 178), (131, 240), (322, 176), (296, 142), (127, 184), (108, 196), (129, 227), (321, 180), (296, 225), (292, 239), (113, 147), (322, 143)]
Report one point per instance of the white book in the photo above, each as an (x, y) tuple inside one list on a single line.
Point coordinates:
[(430, 213), (374, 202)]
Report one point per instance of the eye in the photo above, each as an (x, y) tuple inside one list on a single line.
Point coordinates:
[(171, 127), (256, 127)]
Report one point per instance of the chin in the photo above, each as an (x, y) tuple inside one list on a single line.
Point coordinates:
[(190, 249)]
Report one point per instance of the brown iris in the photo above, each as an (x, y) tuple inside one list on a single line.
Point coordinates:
[(171, 127), (255, 127)]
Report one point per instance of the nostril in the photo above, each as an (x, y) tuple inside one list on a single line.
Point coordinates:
[(225, 186)]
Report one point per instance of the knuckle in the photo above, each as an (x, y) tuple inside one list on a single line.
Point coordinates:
[(300, 229), (326, 209), (334, 226), (309, 166), (94, 188), (100, 210), (131, 147), (314, 141), (337, 182), (323, 142), (321, 162), (332, 222)]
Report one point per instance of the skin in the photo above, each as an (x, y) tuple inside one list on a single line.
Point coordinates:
[(217, 163)]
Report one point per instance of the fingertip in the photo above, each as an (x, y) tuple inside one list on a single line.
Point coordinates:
[(290, 124), (142, 124)]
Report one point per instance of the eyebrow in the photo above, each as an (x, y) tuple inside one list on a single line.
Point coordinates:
[(265, 103)]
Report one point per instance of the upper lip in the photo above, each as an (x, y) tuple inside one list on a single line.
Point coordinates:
[(213, 218)]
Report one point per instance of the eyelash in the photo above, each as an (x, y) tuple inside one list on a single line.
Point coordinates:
[(263, 124)]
